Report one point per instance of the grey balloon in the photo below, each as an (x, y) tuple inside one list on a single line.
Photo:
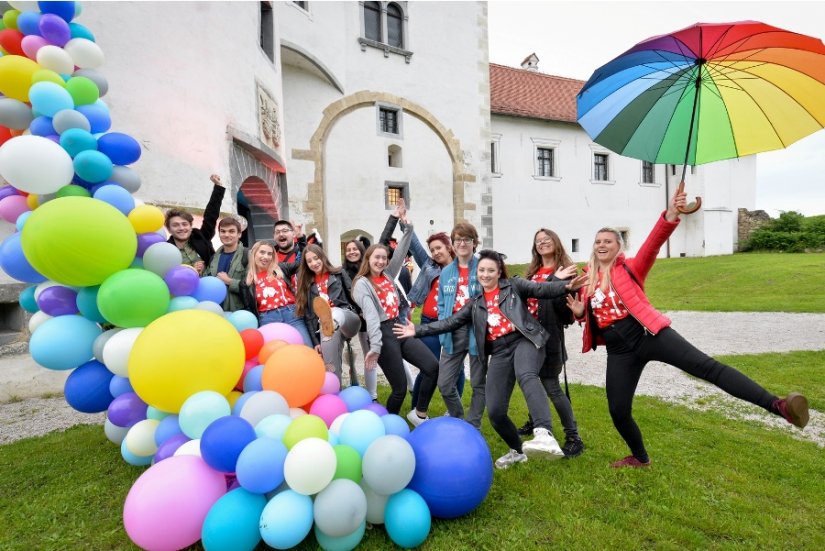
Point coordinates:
[(126, 178), (100, 342), (69, 118), (210, 307), (340, 508), (161, 257), (96, 77), (15, 114)]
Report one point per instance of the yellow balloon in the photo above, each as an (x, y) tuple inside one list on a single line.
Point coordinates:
[(146, 218), (47, 75), (182, 353), (33, 201), (16, 76)]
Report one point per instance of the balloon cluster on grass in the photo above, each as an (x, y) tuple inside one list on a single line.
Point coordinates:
[(246, 436)]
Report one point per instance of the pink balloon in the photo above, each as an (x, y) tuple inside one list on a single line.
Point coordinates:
[(31, 44), (167, 504), (281, 331), (328, 407), (13, 206), (331, 384)]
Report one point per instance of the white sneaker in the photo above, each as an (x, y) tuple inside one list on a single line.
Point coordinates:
[(511, 458), (543, 445), (414, 419)]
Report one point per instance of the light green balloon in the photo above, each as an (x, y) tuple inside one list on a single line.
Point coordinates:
[(305, 426), (10, 19), (47, 75), (78, 241), (83, 90), (133, 298), (348, 464), (73, 190)]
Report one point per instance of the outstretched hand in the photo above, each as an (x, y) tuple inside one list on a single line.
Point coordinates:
[(567, 272), (404, 330), (576, 305), (400, 211), (577, 283)]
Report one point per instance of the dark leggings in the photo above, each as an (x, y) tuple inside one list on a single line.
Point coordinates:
[(393, 352), (434, 344), (630, 347)]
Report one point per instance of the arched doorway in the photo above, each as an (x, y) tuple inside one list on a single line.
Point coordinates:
[(260, 206)]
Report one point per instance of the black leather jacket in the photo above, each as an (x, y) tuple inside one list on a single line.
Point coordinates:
[(338, 289), (250, 301), (512, 295)]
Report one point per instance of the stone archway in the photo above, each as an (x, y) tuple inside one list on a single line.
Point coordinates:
[(315, 207)]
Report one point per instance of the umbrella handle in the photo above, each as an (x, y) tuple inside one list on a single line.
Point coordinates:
[(691, 207)]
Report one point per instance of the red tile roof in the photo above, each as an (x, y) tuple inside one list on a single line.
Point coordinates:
[(523, 93)]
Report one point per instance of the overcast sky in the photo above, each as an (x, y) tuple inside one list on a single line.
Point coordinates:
[(573, 38)]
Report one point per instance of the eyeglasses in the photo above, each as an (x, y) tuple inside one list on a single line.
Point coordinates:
[(544, 242), (462, 241), (283, 230)]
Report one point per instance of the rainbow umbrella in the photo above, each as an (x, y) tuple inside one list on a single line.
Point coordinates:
[(708, 92)]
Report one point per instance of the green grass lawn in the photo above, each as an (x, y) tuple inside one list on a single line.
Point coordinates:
[(715, 483), (748, 282)]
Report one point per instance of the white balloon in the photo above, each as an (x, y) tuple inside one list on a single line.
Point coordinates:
[(193, 447), (310, 466), (340, 508), (335, 427), (117, 349), (376, 504), (85, 53), (56, 59), (35, 164), (100, 342), (296, 412), (114, 433), (37, 319), (140, 440), (210, 306)]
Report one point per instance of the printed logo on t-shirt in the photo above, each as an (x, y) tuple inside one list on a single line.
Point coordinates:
[(462, 292), (497, 323)]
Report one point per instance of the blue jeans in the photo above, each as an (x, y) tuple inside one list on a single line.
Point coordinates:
[(286, 314)]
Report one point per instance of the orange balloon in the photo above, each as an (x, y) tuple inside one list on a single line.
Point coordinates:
[(296, 372), (266, 350)]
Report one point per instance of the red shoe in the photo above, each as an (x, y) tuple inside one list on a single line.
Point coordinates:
[(794, 408), (629, 461)]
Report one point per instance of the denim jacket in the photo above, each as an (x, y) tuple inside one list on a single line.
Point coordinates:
[(430, 270), (446, 300)]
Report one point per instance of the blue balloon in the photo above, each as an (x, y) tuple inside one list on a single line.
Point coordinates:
[(133, 459), (342, 543), (182, 303), (79, 31), (355, 397), (360, 429), (14, 262), (239, 403), (243, 319), (232, 522), (28, 23), (87, 388), (453, 466), (260, 467), (407, 519), (395, 424), (212, 289), (48, 98), (27, 301), (64, 342), (224, 440), (76, 141), (21, 220), (252, 381), (42, 126), (121, 148), (168, 427), (63, 9), (116, 196), (87, 304), (286, 520), (99, 117), (93, 166), (120, 385)]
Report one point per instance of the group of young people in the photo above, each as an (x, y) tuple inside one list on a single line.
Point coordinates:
[(512, 329)]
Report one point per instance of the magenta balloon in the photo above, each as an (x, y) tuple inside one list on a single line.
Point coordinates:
[(55, 29), (126, 410), (181, 280), (12, 207), (58, 300), (146, 240)]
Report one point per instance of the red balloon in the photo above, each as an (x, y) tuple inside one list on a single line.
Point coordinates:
[(5, 135), (10, 41), (252, 342)]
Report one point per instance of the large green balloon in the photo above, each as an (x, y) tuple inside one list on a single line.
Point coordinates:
[(133, 298), (78, 241)]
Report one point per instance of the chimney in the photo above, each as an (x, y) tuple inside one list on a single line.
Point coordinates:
[(531, 62)]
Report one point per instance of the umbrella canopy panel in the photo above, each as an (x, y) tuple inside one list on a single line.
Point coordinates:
[(706, 93)]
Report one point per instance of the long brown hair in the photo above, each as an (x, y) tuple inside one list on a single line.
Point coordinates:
[(593, 265), (560, 257), (364, 270), (306, 277)]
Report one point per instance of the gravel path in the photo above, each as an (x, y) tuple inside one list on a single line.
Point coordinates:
[(714, 333)]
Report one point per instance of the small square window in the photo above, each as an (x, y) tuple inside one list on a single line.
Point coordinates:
[(574, 246), (600, 167), (393, 191), (647, 173), (545, 162), (388, 120)]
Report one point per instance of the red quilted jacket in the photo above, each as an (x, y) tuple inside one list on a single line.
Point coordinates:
[(630, 292)]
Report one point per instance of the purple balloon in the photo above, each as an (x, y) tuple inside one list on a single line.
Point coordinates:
[(376, 408), (181, 280), (58, 301), (126, 410), (146, 240), (7, 191), (55, 29), (170, 446)]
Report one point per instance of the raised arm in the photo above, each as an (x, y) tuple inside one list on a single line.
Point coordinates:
[(213, 208)]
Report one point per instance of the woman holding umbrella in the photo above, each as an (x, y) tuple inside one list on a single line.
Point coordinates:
[(617, 313)]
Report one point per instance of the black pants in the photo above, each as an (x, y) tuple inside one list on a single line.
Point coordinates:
[(393, 352), (630, 347)]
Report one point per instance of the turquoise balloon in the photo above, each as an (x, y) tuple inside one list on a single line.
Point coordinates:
[(199, 410), (243, 319), (343, 543), (76, 141), (360, 429), (21, 220), (64, 342), (27, 301), (87, 304), (182, 303), (47, 98), (286, 520), (407, 519), (133, 298), (93, 166), (232, 522), (79, 31)]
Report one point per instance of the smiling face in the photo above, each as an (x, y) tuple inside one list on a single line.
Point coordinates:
[(488, 274), (545, 246), (352, 253), (378, 261), (314, 262), (263, 257), (606, 247), (229, 236), (463, 246), (440, 252), (180, 228), (284, 236)]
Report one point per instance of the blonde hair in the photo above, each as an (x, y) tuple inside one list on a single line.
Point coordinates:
[(274, 269), (593, 265)]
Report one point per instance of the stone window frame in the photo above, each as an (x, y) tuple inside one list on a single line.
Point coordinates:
[(384, 44)]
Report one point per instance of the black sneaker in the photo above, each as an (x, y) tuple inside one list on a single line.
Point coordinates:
[(573, 447), (526, 429)]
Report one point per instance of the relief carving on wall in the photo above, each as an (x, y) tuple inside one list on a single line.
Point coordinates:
[(270, 126)]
